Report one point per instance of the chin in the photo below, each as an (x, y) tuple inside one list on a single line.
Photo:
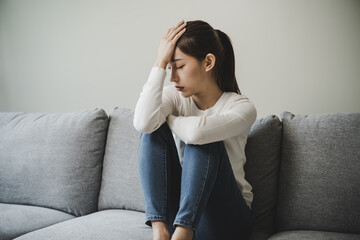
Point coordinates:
[(185, 95)]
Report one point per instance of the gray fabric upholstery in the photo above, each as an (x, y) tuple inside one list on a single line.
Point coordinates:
[(260, 236), (313, 235), (53, 160), (104, 225), (120, 187), (319, 178), (16, 220), (262, 170)]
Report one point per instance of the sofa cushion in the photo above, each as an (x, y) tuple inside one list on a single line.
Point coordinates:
[(262, 167), (16, 220), (105, 225), (120, 187), (260, 236), (313, 235), (52, 160), (319, 173)]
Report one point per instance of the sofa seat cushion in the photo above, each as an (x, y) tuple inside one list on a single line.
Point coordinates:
[(104, 225), (16, 220), (313, 235), (260, 236)]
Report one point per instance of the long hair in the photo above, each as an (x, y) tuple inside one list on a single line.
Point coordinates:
[(199, 39)]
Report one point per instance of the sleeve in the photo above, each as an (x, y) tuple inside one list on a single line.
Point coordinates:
[(155, 102), (237, 121)]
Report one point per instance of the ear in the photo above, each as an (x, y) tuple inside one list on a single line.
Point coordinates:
[(209, 62)]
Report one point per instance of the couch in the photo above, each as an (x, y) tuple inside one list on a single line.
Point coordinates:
[(75, 176)]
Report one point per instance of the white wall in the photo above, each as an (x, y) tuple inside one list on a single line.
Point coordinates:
[(301, 56)]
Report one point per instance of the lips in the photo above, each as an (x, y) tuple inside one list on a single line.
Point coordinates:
[(179, 88)]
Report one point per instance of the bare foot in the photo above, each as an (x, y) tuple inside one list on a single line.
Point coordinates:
[(182, 233), (160, 231)]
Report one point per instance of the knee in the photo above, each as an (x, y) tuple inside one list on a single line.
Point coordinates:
[(163, 131), (213, 148), (216, 145)]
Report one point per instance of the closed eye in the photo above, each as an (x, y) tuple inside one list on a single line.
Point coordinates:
[(170, 67)]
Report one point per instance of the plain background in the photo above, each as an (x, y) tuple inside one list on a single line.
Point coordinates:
[(301, 56)]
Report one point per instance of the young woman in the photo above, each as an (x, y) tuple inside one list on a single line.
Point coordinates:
[(193, 136)]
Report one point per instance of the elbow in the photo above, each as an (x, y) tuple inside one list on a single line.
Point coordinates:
[(143, 129), (140, 123), (145, 126), (252, 116), (142, 126), (254, 113)]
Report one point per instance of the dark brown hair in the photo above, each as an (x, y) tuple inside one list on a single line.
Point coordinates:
[(200, 39)]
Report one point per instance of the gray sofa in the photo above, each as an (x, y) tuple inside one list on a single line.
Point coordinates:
[(75, 176)]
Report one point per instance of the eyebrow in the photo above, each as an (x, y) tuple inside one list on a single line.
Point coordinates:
[(176, 60)]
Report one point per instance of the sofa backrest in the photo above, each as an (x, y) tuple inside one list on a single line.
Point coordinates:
[(262, 152), (120, 186), (52, 160), (319, 173)]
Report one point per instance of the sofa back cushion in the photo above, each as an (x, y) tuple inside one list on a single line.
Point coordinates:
[(52, 160), (262, 168), (120, 187), (319, 174)]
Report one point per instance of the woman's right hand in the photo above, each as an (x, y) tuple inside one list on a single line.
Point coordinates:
[(167, 44)]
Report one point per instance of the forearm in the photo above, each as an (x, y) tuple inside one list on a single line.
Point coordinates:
[(160, 63), (207, 129), (148, 108)]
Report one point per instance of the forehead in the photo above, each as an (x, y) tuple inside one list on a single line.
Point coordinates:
[(178, 54)]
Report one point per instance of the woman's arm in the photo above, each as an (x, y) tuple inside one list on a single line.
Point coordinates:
[(153, 106), (237, 121), (155, 103)]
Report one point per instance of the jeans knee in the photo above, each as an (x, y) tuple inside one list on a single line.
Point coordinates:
[(212, 149), (163, 131), (215, 146)]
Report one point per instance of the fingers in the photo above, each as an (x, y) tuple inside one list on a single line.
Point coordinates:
[(177, 36), (168, 43), (178, 30), (175, 31), (179, 24), (172, 32)]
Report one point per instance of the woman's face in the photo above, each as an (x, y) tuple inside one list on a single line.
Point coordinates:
[(187, 72)]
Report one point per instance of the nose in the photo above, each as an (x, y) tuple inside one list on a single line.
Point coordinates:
[(174, 77)]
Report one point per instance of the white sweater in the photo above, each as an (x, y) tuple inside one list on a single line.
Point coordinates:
[(229, 120)]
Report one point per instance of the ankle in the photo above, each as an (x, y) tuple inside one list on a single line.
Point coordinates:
[(160, 230), (183, 233)]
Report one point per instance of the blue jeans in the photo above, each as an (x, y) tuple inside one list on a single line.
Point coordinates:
[(202, 194)]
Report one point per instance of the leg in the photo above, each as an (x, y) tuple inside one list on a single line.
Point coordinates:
[(160, 174), (210, 201)]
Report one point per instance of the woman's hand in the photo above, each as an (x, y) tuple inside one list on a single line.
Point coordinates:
[(167, 44)]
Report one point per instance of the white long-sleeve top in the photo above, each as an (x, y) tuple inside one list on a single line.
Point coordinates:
[(229, 120)]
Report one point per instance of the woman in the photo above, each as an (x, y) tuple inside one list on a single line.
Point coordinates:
[(193, 136)]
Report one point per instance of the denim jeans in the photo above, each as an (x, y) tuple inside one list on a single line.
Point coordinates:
[(202, 194)]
